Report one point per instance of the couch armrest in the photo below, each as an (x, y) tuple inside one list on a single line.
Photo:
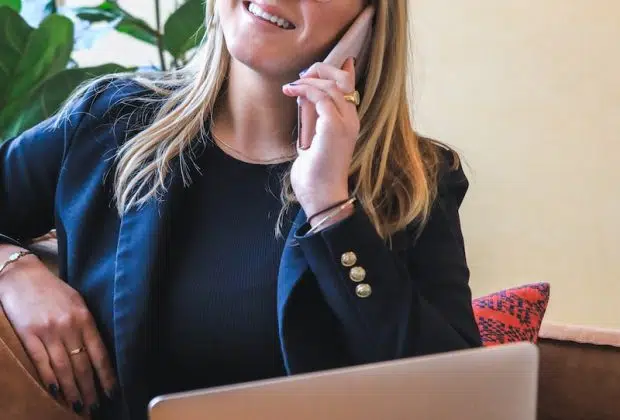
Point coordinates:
[(579, 373)]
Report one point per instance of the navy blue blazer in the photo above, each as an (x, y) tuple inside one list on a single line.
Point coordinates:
[(59, 177)]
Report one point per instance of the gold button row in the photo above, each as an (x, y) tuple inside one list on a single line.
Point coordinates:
[(357, 274)]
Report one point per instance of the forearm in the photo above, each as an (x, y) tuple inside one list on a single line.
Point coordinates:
[(390, 309), (370, 294)]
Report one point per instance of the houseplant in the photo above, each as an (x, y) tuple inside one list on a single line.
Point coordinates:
[(37, 72)]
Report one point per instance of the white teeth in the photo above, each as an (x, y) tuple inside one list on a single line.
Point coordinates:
[(257, 11)]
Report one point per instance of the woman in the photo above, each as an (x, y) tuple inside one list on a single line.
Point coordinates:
[(180, 267)]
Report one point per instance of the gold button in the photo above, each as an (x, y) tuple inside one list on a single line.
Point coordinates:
[(363, 290), (357, 274), (348, 259)]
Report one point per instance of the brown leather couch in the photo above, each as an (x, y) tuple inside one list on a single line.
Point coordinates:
[(579, 373)]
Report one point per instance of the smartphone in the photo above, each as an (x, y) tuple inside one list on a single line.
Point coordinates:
[(354, 43)]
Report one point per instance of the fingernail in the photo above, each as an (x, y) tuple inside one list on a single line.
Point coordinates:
[(77, 406), (303, 72), (53, 389), (111, 392), (292, 84), (93, 409)]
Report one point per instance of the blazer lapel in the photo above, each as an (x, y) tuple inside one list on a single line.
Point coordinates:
[(293, 265), (140, 254)]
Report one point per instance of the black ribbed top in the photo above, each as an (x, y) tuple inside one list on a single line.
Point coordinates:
[(216, 313)]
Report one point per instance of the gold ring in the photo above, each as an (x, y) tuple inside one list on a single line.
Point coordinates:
[(353, 97), (77, 351)]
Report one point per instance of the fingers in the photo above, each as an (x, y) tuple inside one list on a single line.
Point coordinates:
[(330, 105), (41, 360), (63, 368), (74, 370), (52, 319), (345, 77), (83, 373), (323, 102), (332, 81), (331, 89), (327, 93), (99, 357)]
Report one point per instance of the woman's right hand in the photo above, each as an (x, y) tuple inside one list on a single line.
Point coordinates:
[(52, 319)]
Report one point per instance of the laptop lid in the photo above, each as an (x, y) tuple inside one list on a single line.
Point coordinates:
[(487, 383)]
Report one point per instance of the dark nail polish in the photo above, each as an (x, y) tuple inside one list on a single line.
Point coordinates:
[(111, 393), (93, 410), (354, 61), (53, 389), (77, 406), (303, 72), (293, 84)]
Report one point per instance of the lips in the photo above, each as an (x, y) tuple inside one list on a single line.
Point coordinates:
[(268, 14)]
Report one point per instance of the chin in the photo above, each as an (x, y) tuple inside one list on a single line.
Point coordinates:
[(266, 60), (264, 47)]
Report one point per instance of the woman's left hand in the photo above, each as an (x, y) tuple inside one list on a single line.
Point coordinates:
[(320, 173)]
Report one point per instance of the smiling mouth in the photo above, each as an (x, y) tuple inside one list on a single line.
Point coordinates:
[(267, 17)]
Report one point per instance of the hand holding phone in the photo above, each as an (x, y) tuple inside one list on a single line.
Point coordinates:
[(354, 43)]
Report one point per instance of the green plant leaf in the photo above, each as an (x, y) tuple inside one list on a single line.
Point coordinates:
[(184, 29), (47, 52), (50, 7), (13, 4), (124, 22), (51, 95), (14, 35)]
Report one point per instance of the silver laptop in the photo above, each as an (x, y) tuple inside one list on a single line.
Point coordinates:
[(489, 383)]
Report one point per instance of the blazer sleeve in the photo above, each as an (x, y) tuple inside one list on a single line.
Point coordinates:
[(30, 165), (420, 301)]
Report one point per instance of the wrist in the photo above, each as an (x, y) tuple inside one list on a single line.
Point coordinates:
[(14, 271), (18, 258), (319, 201), (341, 215), (332, 215)]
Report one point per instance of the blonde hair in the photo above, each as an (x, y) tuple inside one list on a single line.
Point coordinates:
[(393, 171)]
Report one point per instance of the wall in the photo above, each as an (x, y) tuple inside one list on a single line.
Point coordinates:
[(529, 93)]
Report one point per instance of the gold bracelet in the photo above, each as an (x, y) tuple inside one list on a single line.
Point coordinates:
[(331, 215), (14, 257)]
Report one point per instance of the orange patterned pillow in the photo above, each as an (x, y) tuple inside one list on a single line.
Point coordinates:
[(512, 315)]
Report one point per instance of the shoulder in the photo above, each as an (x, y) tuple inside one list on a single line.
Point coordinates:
[(116, 106), (449, 184), (446, 169)]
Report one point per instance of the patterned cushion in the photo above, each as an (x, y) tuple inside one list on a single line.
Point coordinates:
[(512, 315)]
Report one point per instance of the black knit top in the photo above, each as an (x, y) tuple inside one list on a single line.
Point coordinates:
[(216, 315)]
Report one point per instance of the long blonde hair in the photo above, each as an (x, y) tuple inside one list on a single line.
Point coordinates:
[(393, 171)]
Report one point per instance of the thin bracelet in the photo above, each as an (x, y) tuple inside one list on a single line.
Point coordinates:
[(14, 257), (331, 215), (333, 206)]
